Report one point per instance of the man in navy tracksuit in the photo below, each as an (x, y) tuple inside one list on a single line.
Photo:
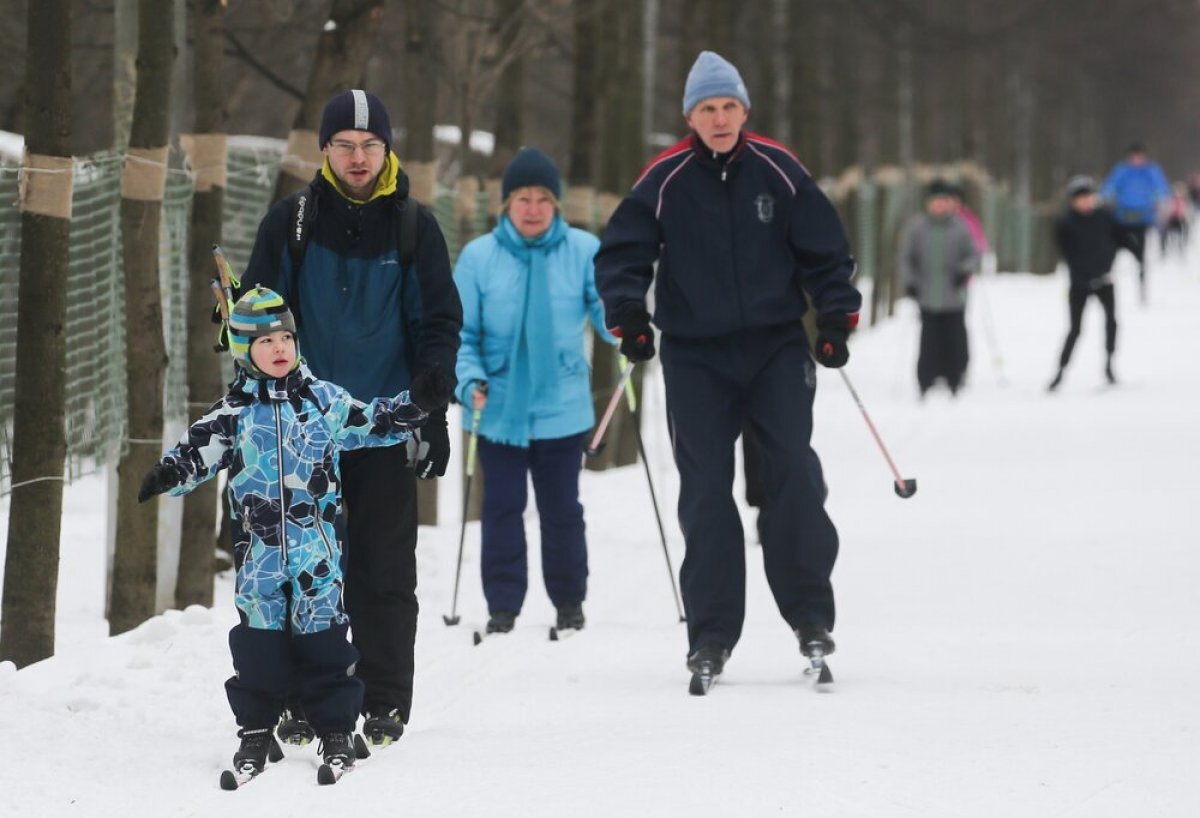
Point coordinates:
[(739, 231)]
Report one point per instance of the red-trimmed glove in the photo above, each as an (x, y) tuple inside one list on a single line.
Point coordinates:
[(636, 334), (833, 332)]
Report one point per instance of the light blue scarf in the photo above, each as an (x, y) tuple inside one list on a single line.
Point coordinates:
[(533, 363)]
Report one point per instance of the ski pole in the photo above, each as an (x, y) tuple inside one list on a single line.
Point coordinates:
[(453, 618), (989, 330), (596, 446), (904, 488), (662, 533)]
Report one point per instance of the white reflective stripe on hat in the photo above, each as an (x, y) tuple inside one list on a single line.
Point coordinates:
[(362, 114)]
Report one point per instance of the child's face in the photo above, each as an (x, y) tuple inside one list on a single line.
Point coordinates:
[(274, 354), (1084, 202)]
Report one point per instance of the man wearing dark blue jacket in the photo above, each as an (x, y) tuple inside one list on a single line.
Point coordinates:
[(373, 322), (739, 232)]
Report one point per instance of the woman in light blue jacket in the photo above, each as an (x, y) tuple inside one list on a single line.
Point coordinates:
[(528, 289)]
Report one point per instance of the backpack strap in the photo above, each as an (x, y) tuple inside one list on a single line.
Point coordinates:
[(407, 245)]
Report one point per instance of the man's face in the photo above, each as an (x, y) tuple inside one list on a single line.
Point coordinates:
[(1084, 203), (1137, 158), (356, 158), (718, 121)]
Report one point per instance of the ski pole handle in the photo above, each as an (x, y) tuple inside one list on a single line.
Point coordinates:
[(595, 447)]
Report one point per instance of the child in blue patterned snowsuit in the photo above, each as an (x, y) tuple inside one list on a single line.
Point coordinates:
[(279, 432)]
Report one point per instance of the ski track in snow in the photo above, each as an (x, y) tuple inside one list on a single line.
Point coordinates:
[(1018, 638)]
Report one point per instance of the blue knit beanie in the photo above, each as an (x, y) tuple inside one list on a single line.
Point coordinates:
[(713, 76), (355, 111), (530, 168)]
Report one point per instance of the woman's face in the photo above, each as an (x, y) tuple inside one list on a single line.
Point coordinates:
[(531, 210)]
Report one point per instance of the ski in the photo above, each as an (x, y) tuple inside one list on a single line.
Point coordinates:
[(233, 780), (818, 669), (332, 773), (702, 680), (559, 634)]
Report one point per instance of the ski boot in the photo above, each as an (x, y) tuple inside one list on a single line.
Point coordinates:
[(293, 729), (253, 752), (1057, 382), (570, 616), (706, 664), (815, 645), (1108, 372), (501, 621), (338, 754), (382, 728)]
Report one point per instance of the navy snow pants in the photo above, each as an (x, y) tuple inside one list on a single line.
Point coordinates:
[(763, 377), (554, 466), (318, 669)]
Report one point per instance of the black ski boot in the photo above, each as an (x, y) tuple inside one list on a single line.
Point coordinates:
[(1108, 372), (381, 728), (1057, 382), (251, 758), (501, 621), (337, 751), (570, 617), (815, 645), (706, 664), (293, 729)]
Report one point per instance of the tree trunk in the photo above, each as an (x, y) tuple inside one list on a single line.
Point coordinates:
[(510, 91), (143, 180), (581, 163), (420, 109), (125, 40), (207, 150), (342, 52), (39, 434)]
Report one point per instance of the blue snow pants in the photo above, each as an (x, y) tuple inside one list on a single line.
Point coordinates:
[(554, 466), (764, 377)]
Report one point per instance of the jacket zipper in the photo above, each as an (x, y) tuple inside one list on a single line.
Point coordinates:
[(737, 288), (282, 505)]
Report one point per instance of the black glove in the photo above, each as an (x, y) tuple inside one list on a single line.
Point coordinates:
[(429, 449), (163, 477), (637, 336), (431, 388), (961, 278), (911, 290), (833, 331)]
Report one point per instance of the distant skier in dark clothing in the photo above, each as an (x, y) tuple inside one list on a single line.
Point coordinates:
[(731, 230), (1088, 238)]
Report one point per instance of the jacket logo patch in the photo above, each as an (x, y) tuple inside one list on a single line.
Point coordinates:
[(764, 206)]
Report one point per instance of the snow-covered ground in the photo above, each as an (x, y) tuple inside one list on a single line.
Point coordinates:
[(1020, 638)]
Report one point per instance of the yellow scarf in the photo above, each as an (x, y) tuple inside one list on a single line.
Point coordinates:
[(383, 186)]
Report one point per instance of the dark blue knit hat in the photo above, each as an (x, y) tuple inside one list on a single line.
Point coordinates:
[(355, 110), (530, 168)]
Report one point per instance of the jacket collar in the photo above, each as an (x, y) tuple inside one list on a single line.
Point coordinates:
[(714, 160)]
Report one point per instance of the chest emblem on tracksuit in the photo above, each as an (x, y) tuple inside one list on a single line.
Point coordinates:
[(764, 206)]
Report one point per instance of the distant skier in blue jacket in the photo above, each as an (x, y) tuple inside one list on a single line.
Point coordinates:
[(732, 231), (528, 290), (1136, 187)]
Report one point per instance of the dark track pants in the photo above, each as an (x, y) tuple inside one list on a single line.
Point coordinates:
[(766, 378), (1076, 300), (379, 493), (944, 352), (554, 466), (316, 667)]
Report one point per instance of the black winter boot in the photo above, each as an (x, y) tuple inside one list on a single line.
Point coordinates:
[(570, 616), (293, 729), (337, 750), (710, 658), (501, 621), (383, 727), (815, 640), (251, 756)]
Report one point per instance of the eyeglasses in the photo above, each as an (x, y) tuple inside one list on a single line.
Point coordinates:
[(374, 147)]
